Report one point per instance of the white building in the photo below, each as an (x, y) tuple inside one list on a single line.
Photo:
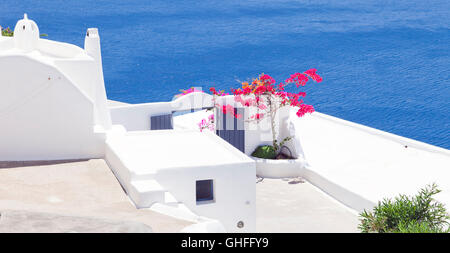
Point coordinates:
[(53, 106), (52, 99)]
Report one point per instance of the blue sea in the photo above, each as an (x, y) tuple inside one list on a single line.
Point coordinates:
[(385, 64)]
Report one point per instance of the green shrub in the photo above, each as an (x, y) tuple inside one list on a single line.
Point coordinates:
[(7, 32), (266, 151), (417, 214), (10, 33), (419, 227)]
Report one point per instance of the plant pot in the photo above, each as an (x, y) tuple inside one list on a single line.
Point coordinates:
[(284, 168)]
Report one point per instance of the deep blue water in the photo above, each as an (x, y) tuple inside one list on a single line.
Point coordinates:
[(385, 64)]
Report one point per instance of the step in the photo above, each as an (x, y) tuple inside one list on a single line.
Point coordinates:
[(139, 175), (170, 200), (144, 193)]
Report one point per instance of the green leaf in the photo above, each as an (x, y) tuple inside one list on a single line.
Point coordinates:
[(266, 151), (416, 214)]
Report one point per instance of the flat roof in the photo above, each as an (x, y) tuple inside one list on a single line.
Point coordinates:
[(165, 149)]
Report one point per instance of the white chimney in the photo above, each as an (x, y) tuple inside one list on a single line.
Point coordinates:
[(26, 34), (92, 48)]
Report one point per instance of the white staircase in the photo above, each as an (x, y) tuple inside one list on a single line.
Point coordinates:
[(145, 193), (139, 184)]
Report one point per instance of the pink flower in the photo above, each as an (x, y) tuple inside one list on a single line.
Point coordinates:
[(228, 109), (213, 90), (267, 79), (249, 102), (188, 91), (260, 90), (312, 73), (304, 108), (257, 116), (298, 78), (204, 124), (224, 109)]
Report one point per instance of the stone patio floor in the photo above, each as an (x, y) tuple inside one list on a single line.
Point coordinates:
[(74, 192), (294, 205)]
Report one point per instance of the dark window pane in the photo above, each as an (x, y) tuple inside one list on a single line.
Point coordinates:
[(204, 190)]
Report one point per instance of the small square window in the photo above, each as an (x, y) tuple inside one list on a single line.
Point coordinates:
[(204, 191)]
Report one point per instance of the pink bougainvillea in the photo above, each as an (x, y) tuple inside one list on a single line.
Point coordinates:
[(188, 91), (268, 98), (263, 94), (218, 93), (228, 109), (207, 123)]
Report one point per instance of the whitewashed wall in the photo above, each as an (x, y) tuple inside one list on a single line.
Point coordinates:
[(136, 117), (234, 189), (43, 115), (52, 97), (132, 157)]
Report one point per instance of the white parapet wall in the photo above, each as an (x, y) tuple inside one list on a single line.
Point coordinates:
[(136, 117), (360, 166)]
